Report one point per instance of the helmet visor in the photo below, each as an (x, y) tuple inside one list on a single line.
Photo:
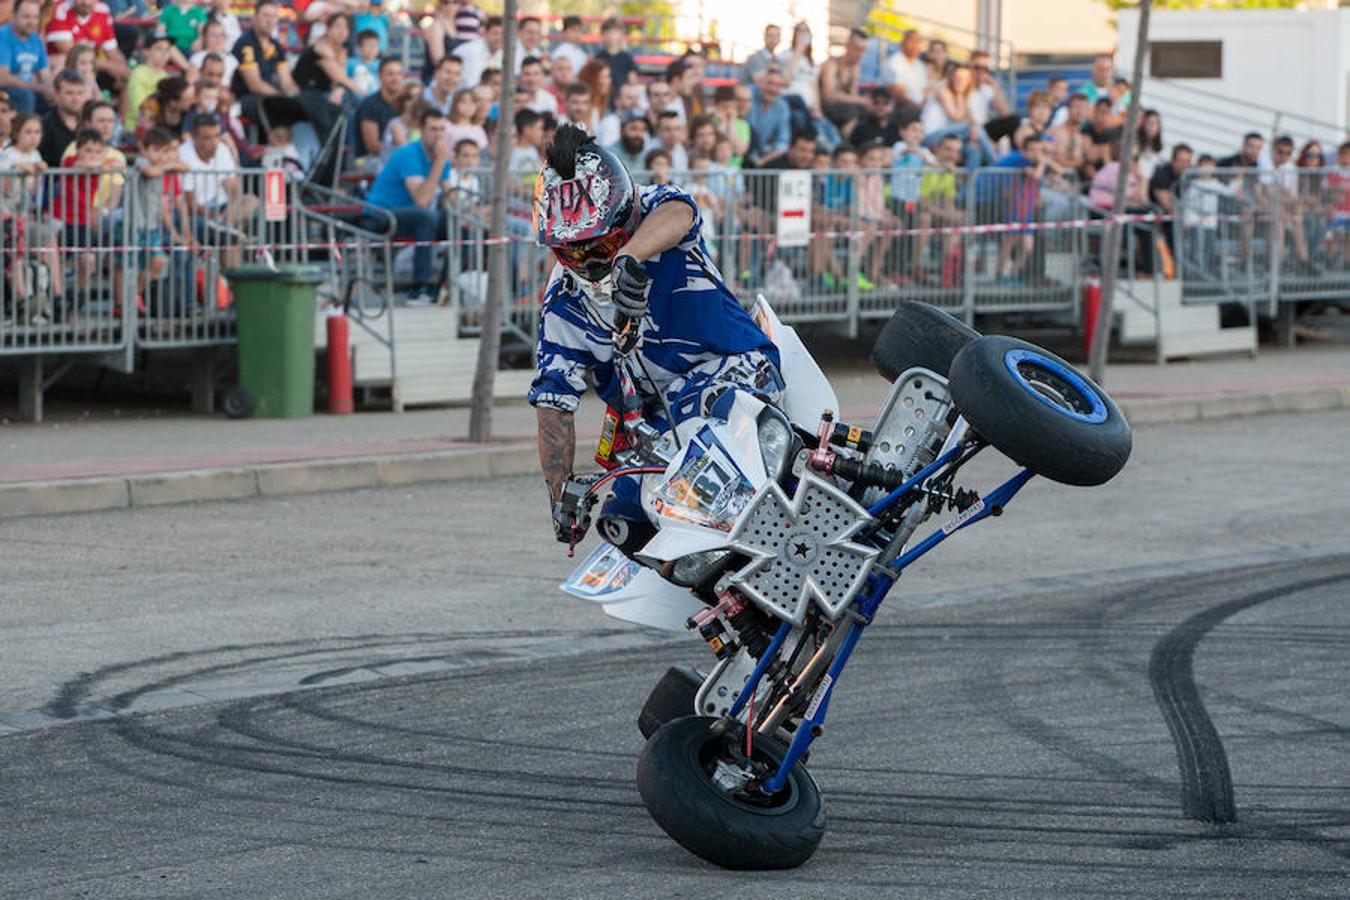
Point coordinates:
[(592, 258)]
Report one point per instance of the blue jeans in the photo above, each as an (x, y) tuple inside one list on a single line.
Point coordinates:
[(422, 225), (974, 153), (24, 100)]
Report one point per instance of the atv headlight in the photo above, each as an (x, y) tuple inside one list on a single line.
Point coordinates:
[(775, 442), (693, 570)]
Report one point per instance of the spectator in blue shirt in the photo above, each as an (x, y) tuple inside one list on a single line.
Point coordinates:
[(373, 18), (408, 187), (24, 70), (770, 119)]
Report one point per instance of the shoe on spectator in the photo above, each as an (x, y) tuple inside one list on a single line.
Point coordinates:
[(864, 283), (420, 297)]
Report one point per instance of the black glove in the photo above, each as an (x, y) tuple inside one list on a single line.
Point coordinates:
[(631, 284), (571, 513), (567, 528)]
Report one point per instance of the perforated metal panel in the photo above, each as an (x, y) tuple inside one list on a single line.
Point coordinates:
[(911, 427), (800, 550)]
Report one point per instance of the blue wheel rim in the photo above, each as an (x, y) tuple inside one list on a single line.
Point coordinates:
[(1083, 401)]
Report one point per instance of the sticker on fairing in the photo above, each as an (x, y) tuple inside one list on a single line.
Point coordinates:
[(708, 489), (604, 572), (965, 517)]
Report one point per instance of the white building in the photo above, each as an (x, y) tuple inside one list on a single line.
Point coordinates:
[(1216, 74)]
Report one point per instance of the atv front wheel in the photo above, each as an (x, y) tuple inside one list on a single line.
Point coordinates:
[(682, 777)]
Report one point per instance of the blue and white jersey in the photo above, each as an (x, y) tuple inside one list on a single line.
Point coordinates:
[(694, 319)]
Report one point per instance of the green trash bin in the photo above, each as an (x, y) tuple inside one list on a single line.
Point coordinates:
[(274, 311)]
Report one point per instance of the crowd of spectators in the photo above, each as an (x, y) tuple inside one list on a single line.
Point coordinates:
[(197, 86)]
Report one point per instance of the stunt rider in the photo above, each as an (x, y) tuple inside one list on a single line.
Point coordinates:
[(635, 253)]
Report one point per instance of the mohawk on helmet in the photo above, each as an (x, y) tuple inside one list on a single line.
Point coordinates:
[(585, 202)]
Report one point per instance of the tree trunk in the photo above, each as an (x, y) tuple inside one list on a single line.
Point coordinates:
[(1111, 251), (499, 278)]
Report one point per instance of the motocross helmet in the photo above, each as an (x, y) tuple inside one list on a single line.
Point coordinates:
[(585, 203)]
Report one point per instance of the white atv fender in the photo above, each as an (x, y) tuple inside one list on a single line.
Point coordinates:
[(631, 592), (808, 391)]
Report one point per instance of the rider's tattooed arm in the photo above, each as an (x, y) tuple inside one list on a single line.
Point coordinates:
[(663, 228), (557, 447)]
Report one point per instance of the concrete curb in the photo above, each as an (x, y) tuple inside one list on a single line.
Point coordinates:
[(394, 470), (265, 480)]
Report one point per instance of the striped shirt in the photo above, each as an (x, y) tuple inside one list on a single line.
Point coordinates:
[(468, 22), (694, 319)]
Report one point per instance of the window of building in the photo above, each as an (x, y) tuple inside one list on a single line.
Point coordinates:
[(1185, 59)]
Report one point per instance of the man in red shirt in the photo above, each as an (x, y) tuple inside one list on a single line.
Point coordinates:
[(89, 21)]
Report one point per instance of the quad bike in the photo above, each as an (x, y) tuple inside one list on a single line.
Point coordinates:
[(776, 533)]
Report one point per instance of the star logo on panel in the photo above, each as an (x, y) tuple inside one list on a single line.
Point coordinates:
[(800, 549)]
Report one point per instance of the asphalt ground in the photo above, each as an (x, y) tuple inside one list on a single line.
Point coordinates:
[(404, 707), (1011, 750)]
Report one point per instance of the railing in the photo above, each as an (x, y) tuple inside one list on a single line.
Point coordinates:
[(1263, 236), (1214, 122), (973, 242), (90, 272), (63, 289)]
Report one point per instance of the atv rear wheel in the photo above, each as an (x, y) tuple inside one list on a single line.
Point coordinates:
[(919, 335), (735, 829)]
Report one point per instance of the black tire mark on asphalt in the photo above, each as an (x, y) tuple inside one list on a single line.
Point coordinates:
[(1206, 781), (75, 692)]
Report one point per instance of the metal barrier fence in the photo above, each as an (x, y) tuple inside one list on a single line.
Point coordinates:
[(973, 242), (1263, 236), (101, 263), (104, 262), (65, 251)]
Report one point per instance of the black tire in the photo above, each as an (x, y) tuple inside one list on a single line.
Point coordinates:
[(715, 825), (672, 698), (919, 335), (236, 402), (1039, 411)]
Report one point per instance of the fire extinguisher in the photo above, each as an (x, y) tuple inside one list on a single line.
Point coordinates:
[(339, 364)]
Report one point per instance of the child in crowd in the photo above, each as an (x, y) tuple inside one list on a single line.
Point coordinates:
[(220, 12), (19, 210), (214, 40), (77, 204), (145, 78), (21, 156), (161, 205), (463, 190), (80, 60), (909, 158), (281, 153), (181, 21), (364, 68), (939, 209), (462, 126), (872, 211), (702, 187), (1200, 204), (373, 18), (831, 211), (657, 162), (1338, 188)]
